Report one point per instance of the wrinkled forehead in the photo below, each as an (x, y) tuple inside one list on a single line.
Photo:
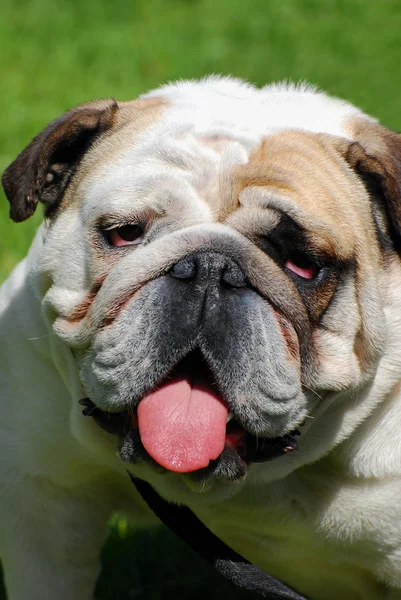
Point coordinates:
[(167, 156), (164, 158)]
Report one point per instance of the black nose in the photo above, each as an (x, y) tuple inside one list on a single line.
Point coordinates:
[(210, 267)]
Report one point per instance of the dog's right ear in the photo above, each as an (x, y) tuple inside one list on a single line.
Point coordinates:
[(375, 156), (44, 168)]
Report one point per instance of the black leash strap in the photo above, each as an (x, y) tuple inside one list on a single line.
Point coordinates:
[(184, 523)]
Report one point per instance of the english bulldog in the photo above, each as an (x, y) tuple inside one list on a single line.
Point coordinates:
[(217, 281)]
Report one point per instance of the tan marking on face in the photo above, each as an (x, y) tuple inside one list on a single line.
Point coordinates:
[(305, 176), (303, 173)]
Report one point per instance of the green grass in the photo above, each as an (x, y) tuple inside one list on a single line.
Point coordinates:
[(57, 53)]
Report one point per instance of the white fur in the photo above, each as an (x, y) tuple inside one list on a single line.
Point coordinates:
[(239, 108), (328, 523)]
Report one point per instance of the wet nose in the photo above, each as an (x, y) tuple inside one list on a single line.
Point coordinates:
[(210, 267)]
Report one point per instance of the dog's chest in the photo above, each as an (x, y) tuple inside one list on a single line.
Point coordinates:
[(304, 526)]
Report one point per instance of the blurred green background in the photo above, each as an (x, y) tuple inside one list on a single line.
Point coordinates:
[(58, 53)]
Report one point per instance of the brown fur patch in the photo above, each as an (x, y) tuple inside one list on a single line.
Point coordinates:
[(306, 170), (44, 168), (303, 175)]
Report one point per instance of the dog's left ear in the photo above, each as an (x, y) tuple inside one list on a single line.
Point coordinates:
[(44, 168), (375, 156)]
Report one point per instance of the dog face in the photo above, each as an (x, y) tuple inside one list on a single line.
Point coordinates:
[(211, 258)]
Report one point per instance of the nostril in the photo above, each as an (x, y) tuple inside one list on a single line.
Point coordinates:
[(184, 269), (209, 268), (232, 276)]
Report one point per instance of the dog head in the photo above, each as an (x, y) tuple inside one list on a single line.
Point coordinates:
[(214, 253)]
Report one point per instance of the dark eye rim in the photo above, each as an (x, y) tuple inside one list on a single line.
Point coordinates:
[(303, 261), (327, 269), (278, 250)]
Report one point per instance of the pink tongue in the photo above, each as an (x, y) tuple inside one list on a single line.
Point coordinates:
[(182, 425)]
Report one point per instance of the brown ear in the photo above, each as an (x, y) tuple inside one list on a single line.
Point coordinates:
[(44, 168), (376, 156)]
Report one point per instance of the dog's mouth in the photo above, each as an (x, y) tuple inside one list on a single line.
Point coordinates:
[(185, 426)]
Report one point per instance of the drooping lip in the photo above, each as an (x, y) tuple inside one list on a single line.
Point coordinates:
[(241, 446)]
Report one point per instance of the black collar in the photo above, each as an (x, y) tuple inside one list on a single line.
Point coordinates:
[(184, 523)]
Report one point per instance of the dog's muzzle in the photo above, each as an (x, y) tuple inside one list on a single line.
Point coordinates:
[(199, 362)]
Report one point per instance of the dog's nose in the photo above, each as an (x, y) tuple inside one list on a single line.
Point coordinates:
[(211, 267)]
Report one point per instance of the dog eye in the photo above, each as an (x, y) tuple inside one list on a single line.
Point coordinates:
[(127, 235), (302, 266)]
